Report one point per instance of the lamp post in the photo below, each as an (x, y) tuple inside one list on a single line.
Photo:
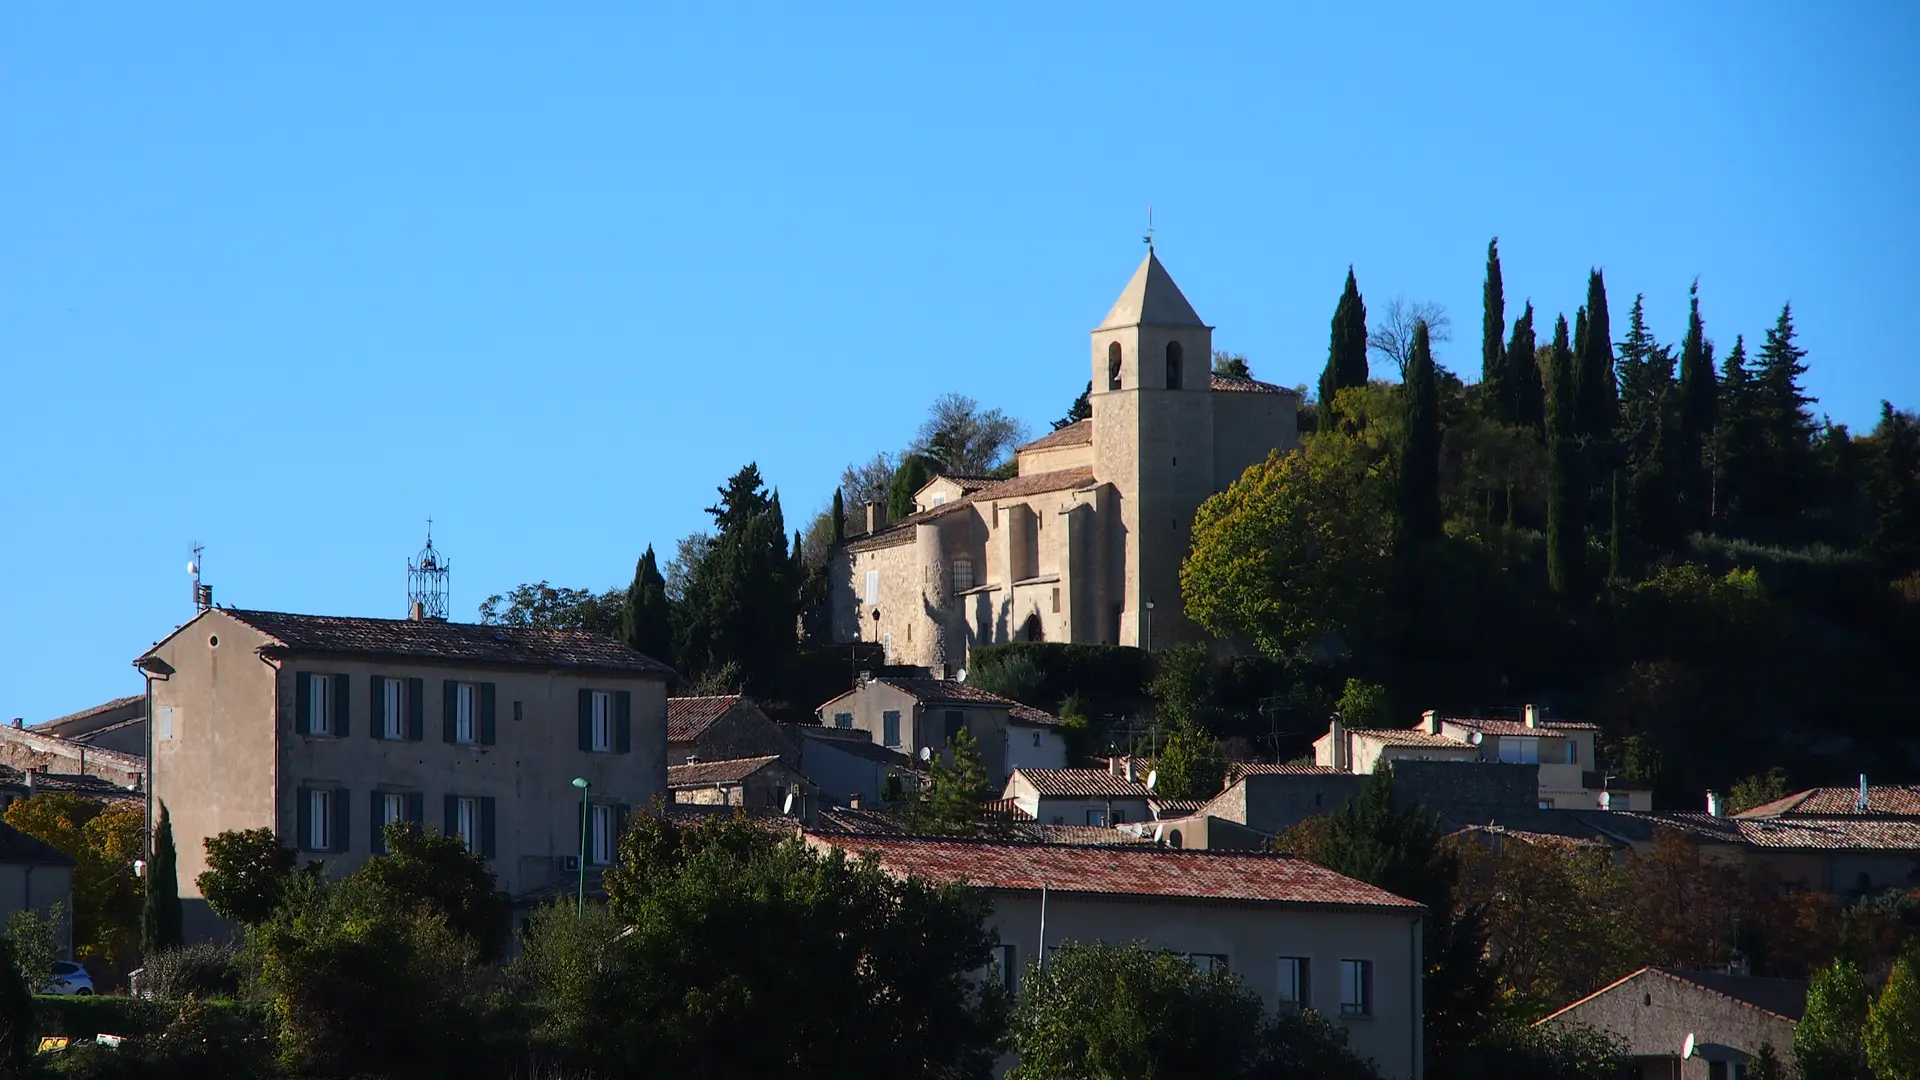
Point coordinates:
[(1149, 626), (580, 903)]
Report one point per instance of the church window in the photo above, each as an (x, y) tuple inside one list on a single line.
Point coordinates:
[(1113, 366), (873, 586), (1056, 599), (1173, 365), (962, 574)]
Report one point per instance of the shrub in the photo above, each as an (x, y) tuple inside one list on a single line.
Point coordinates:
[(17, 1028), (83, 1017), (1109, 678), (202, 970)]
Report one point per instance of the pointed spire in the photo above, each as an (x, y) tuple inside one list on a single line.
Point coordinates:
[(1150, 299)]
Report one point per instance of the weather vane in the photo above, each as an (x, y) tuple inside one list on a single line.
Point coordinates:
[(1148, 239)]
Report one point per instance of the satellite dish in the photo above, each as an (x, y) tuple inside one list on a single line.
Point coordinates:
[(926, 753), (1476, 738), (960, 676), (1686, 1048), (1152, 779), (191, 568), (787, 807)]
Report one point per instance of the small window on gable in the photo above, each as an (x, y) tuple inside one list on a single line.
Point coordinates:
[(1175, 359), (1113, 366), (939, 498)]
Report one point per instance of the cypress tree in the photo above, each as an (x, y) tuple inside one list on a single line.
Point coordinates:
[(1595, 391), (1496, 374), (1419, 487), (1699, 393), (839, 517), (1613, 530), (1566, 494), (160, 912), (912, 475), (1346, 352), (1893, 485), (1529, 393), (646, 619)]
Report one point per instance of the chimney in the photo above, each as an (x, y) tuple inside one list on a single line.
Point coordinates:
[(1113, 766), (18, 723), (1130, 777), (853, 801), (1860, 803), (418, 612), (1714, 808), (31, 774), (1432, 720), (1337, 737), (876, 517), (1533, 715)]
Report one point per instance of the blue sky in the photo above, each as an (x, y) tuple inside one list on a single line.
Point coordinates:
[(290, 280)]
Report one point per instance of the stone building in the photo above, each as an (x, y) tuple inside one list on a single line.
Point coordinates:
[(1692, 1025), (1085, 543), (722, 727)]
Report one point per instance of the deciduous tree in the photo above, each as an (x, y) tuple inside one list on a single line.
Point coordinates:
[(247, 874), (1893, 1024), (1830, 1040)]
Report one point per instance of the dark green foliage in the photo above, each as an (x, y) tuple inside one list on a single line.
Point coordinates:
[(1757, 790), (160, 909), (247, 872), (1739, 447), (1418, 499), (1101, 1011), (914, 473), (1232, 365), (646, 620), (1830, 1041), (544, 607), (741, 600), (423, 869), (1081, 409), (839, 518), (1894, 488), (1699, 408), (1347, 352), (751, 954), (1767, 1064), (1595, 394), (83, 1017), (18, 1025), (1548, 1052), (204, 969), (1496, 374), (1190, 765), (956, 791), (1108, 678), (1529, 392), (1566, 486)]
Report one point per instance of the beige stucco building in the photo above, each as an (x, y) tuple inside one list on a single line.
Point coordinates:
[(1085, 543), (323, 728)]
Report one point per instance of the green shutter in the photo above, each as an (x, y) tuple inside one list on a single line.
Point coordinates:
[(449, 708), (417, 809), (376, 707), (486, 827), (342, 819), (303, 817), (302, 705), (416, 711), (341, 687), (486, 714), (453, 815), (377, 842), (623, 721), (586, 720)]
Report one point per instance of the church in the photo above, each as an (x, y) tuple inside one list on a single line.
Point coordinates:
[(1084, 544)]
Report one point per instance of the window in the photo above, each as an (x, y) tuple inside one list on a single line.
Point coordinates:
[(1174, 357), (956, 720), (602, 721), (163, 722), (843, 720), (393, 709), (467, 822), (886, 647), (1000, 965), (320, 818), (319, 705), (1113, 366), (1356, 988), (466, 713), (602, 849), (1119, 817), (1208, 962), (1573, 751), (962, 574), (873, 587), (1056, 599), (393, 807), (940, 498), (1520, 749), (1295, 984), (1617, 801), (1036, 740), (1097, 818), (890, 728)]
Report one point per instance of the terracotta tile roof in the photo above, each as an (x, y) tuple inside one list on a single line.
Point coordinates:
[(901, 532), (1893, 800), (1792, 833), (969, 484), (1172, 808), (426, 639), (1236, 384), (1556, 841), (1239, 769), (1079, 433), (860, 748), (1006, 808), (841, 821), (725, 771), (1082, 783), (1083, 835), (688, 718), (1124, 870), (1407, 737), (58, 724), (1020, 486), (946, 692), (1493, 726), (14, 782), (1027, 714), (73, 749)]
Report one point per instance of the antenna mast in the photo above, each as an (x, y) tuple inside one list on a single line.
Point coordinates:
[(202, 594)]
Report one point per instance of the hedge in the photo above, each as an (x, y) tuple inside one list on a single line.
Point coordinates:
[(84, 1016)]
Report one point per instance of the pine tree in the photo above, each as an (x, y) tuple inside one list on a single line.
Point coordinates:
[(1566, 492), (1894, 488), (1529, 393), (1699, 400), (646, 619), (1596, 395), (839, 518), (1419, 481), (160, 913), (1346, 352), (741, 602), (1785, 426), (1496, 371), (1631, 367), (1736, 440)]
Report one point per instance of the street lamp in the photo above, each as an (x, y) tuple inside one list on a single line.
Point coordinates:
[(1149, 626), (580, 904)]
